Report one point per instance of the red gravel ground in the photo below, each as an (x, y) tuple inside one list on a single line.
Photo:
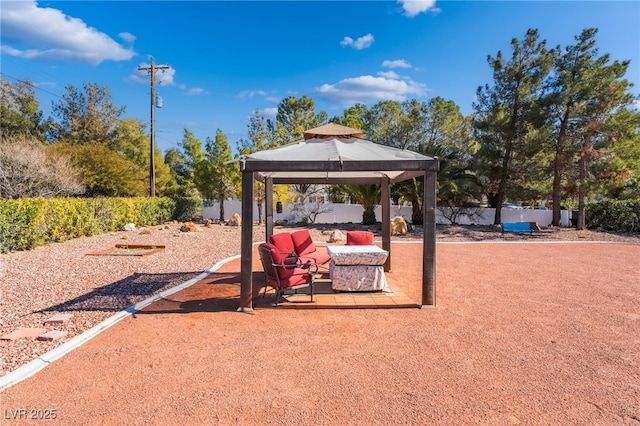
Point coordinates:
[(543, 333)]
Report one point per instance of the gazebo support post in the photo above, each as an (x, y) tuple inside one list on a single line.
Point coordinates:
[(429, 245), (246, 247), (386, 222), (268, 207)]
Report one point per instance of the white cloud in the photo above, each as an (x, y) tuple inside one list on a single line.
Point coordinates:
[(358, 44), (44, 84), (163, 77), (389, 74), (415, 7), (247, 94), (49, 34), (128, 37), (398, 63), (270, 112), (196, 91), (369, 89)]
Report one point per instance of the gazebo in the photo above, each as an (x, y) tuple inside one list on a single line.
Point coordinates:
[(335, 154)]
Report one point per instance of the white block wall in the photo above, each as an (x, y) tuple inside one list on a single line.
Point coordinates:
[(345, 213)]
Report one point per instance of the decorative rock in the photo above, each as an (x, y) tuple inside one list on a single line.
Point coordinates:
[(22, 333), (52, 335), (235, 220), (145, 231), (337, 236), (58, 319), (398, 226), (189, 227), (130, 227)]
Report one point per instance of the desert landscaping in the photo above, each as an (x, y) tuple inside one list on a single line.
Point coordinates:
[(528, 329)]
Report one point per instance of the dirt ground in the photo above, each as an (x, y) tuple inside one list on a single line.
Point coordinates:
[(526, 332)]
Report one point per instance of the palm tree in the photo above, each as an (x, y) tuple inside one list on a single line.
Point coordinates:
[(368, 196), (455, 183)]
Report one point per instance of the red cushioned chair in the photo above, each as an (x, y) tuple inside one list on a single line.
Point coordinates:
[(359, 238), (284, 243), (306, 250), (281, 274)]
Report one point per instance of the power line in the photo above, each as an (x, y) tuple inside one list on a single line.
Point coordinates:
[(9, 78), (16, 79), (43, 73)]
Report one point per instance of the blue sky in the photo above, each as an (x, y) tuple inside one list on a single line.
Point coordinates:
[(229, 59)]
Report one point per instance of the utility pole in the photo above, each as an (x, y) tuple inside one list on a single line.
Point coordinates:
[(152, 162)]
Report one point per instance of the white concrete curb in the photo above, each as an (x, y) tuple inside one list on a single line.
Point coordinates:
[(42, 361)]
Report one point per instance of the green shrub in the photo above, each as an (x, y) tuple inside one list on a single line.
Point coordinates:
[(21, 224), (27, 223), (152, 211), (187, 208), (614, 215)]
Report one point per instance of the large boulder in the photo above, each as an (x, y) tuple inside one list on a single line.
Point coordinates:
[(337, 236), (235, 220), (398, 226)]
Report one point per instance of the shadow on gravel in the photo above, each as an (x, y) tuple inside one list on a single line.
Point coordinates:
[(219, 292), (488, 233), (121, 294)]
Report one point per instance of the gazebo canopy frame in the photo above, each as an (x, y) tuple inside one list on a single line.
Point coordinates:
[(334, 154)]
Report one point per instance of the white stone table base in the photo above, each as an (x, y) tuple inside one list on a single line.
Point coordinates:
[(357, 268), (357, 277)]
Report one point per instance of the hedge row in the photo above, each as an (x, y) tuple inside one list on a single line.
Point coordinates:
[(27, 223), (187, 208), (614, 215)]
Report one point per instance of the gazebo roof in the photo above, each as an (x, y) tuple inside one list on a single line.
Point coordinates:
[(334, 154)]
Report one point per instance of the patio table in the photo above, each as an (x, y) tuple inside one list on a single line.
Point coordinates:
[(357, 268)]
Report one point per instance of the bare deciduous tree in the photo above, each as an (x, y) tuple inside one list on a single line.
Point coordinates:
[(454, 214), (309, 201), (27, 170)]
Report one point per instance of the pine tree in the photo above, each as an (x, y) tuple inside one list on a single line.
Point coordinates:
[(86, 116), (506, 112), (224, 174)]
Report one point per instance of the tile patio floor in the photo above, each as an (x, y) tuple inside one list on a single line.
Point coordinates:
[(397, 295)]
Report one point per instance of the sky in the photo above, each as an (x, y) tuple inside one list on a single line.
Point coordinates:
[(228, 59)]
